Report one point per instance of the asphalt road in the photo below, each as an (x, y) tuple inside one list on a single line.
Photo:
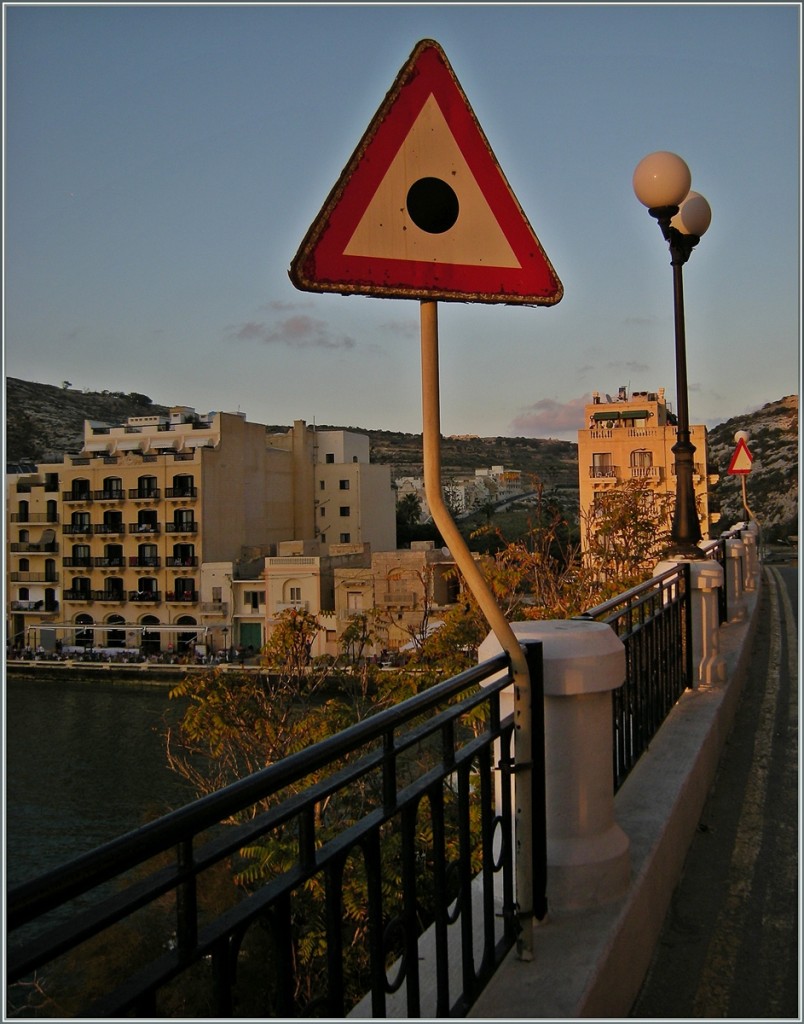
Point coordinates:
[(729, 947)]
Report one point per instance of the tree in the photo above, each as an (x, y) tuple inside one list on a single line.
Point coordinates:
[(626, 529)]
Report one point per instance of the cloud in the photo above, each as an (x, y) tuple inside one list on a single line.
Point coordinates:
[(299, 331), (548, 418)]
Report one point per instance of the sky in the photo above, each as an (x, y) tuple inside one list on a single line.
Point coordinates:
[(162, 165)]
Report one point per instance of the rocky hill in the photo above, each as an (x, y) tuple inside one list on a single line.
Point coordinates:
[(772, 485), (44, 422)]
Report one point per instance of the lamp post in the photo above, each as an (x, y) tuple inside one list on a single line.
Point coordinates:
[(662, 183), (225, 632)]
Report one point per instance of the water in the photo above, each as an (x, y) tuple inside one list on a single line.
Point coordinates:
[(85, 762)]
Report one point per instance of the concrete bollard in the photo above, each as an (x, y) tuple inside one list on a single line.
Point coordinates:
[(708, 664), (748, 535), (735, 573), (588, 857)]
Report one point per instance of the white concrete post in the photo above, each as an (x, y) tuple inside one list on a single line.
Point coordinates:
[(706, 575), (749, 535), (588, 858), (735, 577)]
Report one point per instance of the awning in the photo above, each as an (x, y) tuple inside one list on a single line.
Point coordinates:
[(200, 442), (129, 444), (627, 414), (96, 446)]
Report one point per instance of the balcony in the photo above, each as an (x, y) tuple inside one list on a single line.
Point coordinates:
[(82, 596), (111, 596), (182, 597), (109, 528), (145, 494), (145, 596), (81, 562), (112, 495), (181, 492), (40, 607), (34, 517), (605, 473), (27, 546), (646, 472), (82, 496), (180, 563), (144, 527), (283, 606), (77, 528), (144, 561), (187, 527), (215, 608), (397, 599), (103, 562), (33, 577)]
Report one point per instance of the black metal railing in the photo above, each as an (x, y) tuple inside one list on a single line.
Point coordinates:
[(653, 620), (429, 858)]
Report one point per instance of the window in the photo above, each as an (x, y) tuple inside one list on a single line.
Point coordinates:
[(641, 459), (295, 595), (344, 485), (253, 599), (346, 538), (322, 512), (329, 457), (345, 510), (601, 465), (322, 485), (217, 595)]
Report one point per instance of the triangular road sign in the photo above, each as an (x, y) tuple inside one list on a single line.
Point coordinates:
[(741, 460), (422, 209)]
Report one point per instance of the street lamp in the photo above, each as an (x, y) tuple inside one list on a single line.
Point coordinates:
[(225, 632), (662, 183)]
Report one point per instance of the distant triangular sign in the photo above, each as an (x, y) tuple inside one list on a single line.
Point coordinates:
[(741, 460), (422, 209)]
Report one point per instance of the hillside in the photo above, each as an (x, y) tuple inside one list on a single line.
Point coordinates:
[(772, 484), (44, 422)]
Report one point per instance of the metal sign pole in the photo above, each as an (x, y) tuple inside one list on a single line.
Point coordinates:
[(431, 442)]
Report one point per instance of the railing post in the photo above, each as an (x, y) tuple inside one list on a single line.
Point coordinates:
[(749, 533), (734, 569), (588, 858), (706, 576)]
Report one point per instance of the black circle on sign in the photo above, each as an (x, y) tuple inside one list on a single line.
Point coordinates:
[(432, 205)]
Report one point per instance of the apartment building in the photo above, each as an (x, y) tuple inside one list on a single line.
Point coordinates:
[(137, 541), (631, 437)]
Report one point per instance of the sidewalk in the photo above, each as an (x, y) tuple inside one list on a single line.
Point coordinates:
[(729, 946), (593, 964)]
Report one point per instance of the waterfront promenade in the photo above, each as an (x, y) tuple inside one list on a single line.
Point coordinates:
[(725, 939)]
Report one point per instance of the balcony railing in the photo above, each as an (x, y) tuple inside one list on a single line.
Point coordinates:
[(82, 496), (34, 517), (109, 562), (27, 546), (114, 528), (181, 492), (423, 850), (646, 472), (76, 528), (182, 597), (144, 527), (653, 620), (173, 562), (34, 577), (145, 596), (145, 493), (603, 472), (40, 607), (80, 562), (144, 561), (117, 494), (182, 527)]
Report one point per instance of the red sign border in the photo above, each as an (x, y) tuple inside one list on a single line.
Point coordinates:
[(320, 263), (741, 446)]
